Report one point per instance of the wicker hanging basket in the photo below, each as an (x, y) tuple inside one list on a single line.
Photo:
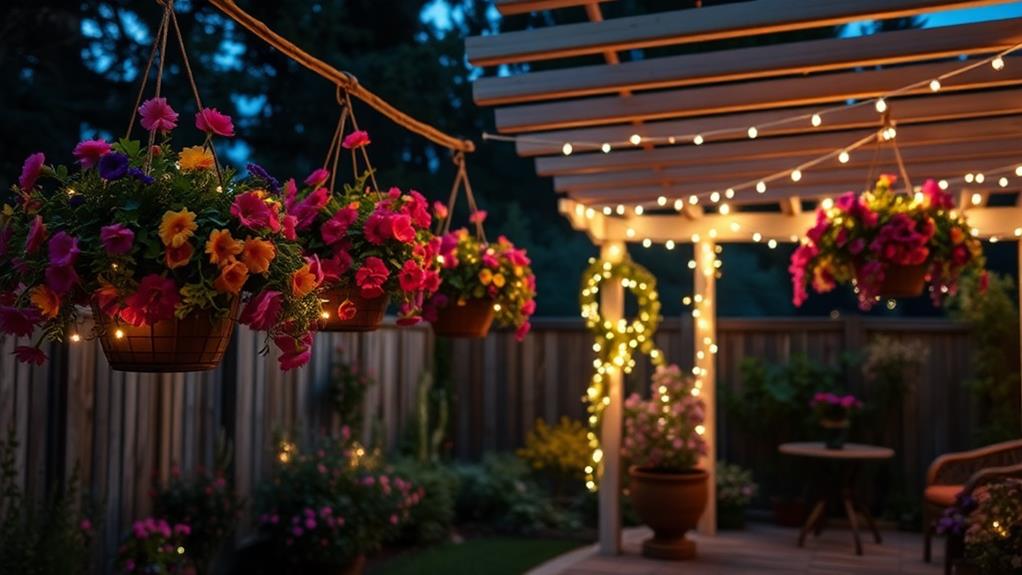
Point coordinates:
[(368, 313), (903, 281), (195, 343), (471, 319)]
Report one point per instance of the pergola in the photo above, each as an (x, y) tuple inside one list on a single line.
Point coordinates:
[(704, 148)]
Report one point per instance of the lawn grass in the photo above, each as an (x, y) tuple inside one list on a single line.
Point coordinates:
[(492, 556)]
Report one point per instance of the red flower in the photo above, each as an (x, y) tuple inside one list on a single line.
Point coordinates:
[(30, 354), (211, 121), (89, 152), (262, 311), (346, 310), (477, 217), (288, 224), (410, 276), (439, 210), (336, 266), (157, 115), (254, 213), (377, 229), (401, 228), (295, 350), (371, 276), (334, 229), (18, 322), (36, 235), (318, 177), (153, 301), (356, 139)]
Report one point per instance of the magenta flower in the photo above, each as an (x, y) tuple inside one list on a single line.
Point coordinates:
[(262, 310), (295, 351), (36, 235), (410, 277), (30, 354), (61, 279), (440, 210), (318, 177), (254, 213), (401, 228), (63, 249), (477, 217), (288, 225), (18, 322), (307, 209), (153, 301), (334, 229), (157, 115), (371, 276), (89, 152), (211, 121), (117, 239), (377, 228), (30, 171), (356, 139)]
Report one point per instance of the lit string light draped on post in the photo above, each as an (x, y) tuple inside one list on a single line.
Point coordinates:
[(615, 342)]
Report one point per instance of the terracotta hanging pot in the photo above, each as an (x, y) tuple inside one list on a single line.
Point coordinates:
[(903, 281), (195, 343), (670, 504), (471, 319), (346, 310)]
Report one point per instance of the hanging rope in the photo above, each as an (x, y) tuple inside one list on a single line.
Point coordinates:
[(461, 180), (343, 80)]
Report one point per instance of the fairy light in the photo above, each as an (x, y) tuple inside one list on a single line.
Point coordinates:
[(977, 199), (827, 203), (724, 209), (635, 139), (661, 201), (119, 333), (678, 205), (997, 63), (669, 244), (715, 197), (816, 120), (607, 210), (1018, 171), (75, 338), (943, 184), (324, 314), (881, 105), (698, 140), (980, 178), (843, 157), (1018, 232), (693, 199), (772, 243), (605, 147), (567, 148), (756, 237), (796, 175), (639, 210), (630, 232), (647, 243), (935, 85), (753, 132), (620, 209), (1003, 182), (761, 187), (729, 193), (969, 178)]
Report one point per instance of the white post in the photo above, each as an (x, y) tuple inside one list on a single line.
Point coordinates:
[(612, 307), (705, 340)]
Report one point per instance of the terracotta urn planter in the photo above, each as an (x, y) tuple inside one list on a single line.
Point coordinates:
[(472, 319), (835, 433), (194, 343), (903, 281), (671, 504), (346, 310)]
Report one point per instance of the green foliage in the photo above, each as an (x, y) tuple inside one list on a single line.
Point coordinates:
[(735, 486), (431, 520), (992, 316), (348, 387), (491, 555), (50, 537), (558, 453), (993, 540)]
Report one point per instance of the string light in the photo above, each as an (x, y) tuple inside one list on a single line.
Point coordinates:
[(119, 334), (997, 63), (639, 210), (816, 120), (75, 338), (761, 187), (605, 147), (881, 105), (678, 205), (647, 243), (661, 201), (935, 85), (620, 209), (567, 148), (693, 199), (607, 210), (635, 139), (753, 132), (942, 184), (980, 177), (724, 209), (843, 157), (772, 243), (796, 175), (729, 193), (1003, 182), (698, 140), (715, 197), (669, 245)]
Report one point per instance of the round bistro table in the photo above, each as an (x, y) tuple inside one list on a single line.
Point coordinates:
[(838, 471)]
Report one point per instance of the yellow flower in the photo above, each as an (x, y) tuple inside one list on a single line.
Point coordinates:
[(46, 300), (222, 248), (177, 227), (498, 280), (195, 158), (485, 276), (257, 255), (232, 278)]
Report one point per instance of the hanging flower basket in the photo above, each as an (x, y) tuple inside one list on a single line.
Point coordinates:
[(471, 319), (344, 309), (903, 281), (194, 343)]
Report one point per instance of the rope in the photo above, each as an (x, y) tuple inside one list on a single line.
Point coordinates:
[(343, 80), (145, 76), (461, 177), (335, 147), (362, 149), (159, 77)]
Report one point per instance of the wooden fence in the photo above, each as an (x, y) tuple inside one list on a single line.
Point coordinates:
[(124, 430)]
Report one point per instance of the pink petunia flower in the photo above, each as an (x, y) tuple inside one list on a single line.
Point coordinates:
[(477, 217), (117, 239), (356, 139), (411, 276), (306, 210), (288, 224), (254, 213), (157, 115), (30, 171), (318, 177), (89, 152), (262, 310), (36, 235), (440, 210), (18, 322), (401, 228), (295, 351), (63, 249), (377, 228), (371, 276), (153, 301), (211, 121), (334, 229)]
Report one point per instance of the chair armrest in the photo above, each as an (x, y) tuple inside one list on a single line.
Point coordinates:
[(990, 475), (956, 468)]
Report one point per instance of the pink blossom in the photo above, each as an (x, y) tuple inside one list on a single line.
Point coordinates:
[(36, 235), (377, 228), (263, 310), (401, 228), (88, 152), (410, 277), (430, 281), (153, 301), (336, 266), (334, 229), (440, 210), (371, 276), (490, 261), (211, 121), (306, 210), (295, 351), (63, 249), (18, 322), (30, 171), (523, 330), (318, 177), (117, 239), (517, 257), (288, 225), (477, 217), (254, 213), (157, 115), (356, 139), (30, 354)]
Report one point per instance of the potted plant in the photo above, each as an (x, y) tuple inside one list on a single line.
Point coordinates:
[(374, 247), (887, 245), (663, 442), (322, 512), (162, 244), (984, 529), (154, 546), (735, 490), (481, 282), (833, 413), (208, 505)]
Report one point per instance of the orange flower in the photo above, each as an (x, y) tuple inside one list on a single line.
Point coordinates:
[(177, 227), (222, 248), (179, 256), (46, 300), (257, 255), (232, 278), (195, 158), (303, 281)]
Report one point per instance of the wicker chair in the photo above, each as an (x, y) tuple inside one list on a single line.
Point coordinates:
[(952, 473)]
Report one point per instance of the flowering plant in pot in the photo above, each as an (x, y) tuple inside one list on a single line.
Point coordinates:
[(663, 442), (162, 244), (154, 546), (887, 244), (833, 412), (735, 490), (481, 282), (374, 247), (323, 511)]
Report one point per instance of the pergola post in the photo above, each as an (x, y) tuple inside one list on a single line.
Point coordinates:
[(612, 307), (705, 340), (1018, 280)]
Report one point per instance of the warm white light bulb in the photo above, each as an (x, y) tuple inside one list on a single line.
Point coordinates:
[(661, 201), (761, 187), (935, 85), (678, 205), (635, 139), (881, 106), (970, 177), (698, 140), (669, 245), (606, 148), (796, 175), (977, 199), (753, 132), (729, 193), (620, 209), (607, 210), (997, 63), (772, 243), (756, 237), (715, 197), (693, 199), (1003, 182), (639, 210), (980, 177), (816, 120), (647, 242), (843, 157), (942, 184), (566, 149), (724, 209)]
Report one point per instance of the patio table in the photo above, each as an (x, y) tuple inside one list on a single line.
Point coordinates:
[(838, 471)]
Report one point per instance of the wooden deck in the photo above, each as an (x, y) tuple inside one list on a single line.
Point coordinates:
[(756, 550)]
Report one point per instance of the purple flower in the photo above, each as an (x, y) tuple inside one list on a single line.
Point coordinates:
[(140, 176), (117, 239), (63, 249), (260, 172), (30, 170), (113, 166), (61, 278)]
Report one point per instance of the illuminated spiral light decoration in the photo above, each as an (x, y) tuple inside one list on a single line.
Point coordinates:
[(615, 342)]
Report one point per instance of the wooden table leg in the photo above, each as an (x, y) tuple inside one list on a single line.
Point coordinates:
[(815, 516), (853, 520), (872, 524)]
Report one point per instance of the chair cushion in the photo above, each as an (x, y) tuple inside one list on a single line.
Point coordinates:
[(942, 495)]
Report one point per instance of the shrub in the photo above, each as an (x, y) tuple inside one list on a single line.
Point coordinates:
[(500, 493), (559, 453), (430, 521), (666, 431)]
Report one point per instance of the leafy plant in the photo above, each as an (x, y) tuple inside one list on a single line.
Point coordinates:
[(993, 536), (348, 387), (430, 521), (154, 546), (558, 453), (51, 537), (735, 486)]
